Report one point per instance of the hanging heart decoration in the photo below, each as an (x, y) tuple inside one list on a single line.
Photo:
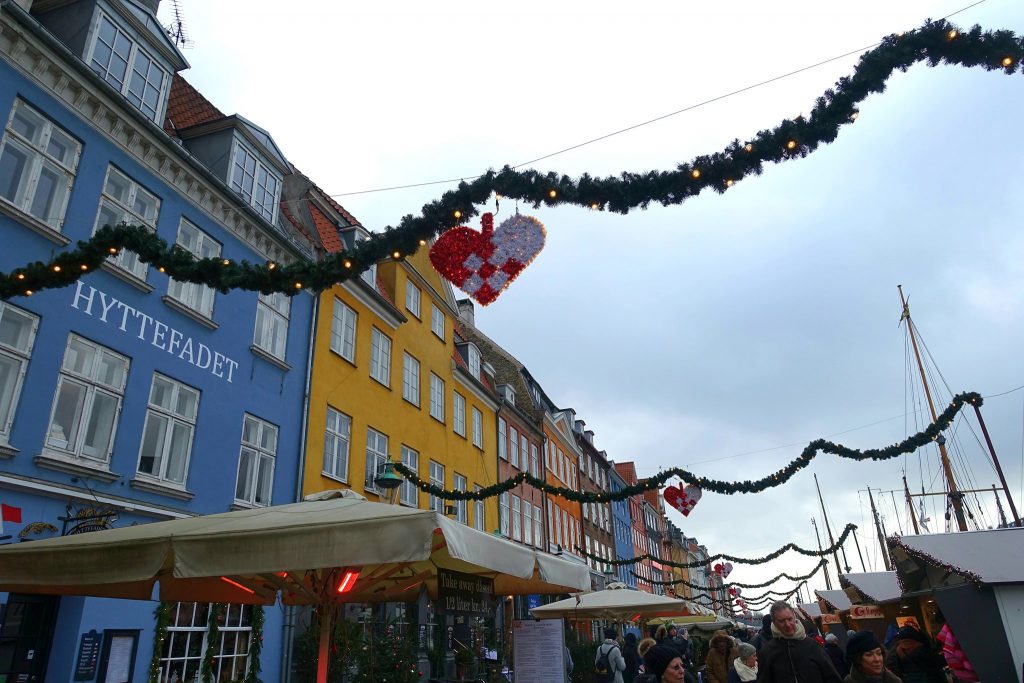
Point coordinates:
[(726, 570), (733, 592), (683, 499), (483, 264), (719, 568)]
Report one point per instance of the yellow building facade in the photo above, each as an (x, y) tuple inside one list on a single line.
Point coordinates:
[(387, 381)]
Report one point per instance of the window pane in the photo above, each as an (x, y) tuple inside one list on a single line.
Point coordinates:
[(111, 371), (15, 329), (62, 147), (152, 443), (67, 414), (100, 427), (28, 124), (9, 371), (13, 162), (264, 480), (246, 463), (48, 195), (177, 456), (160, 393)]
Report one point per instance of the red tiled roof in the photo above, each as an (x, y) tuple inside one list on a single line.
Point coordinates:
[(328, 232), (293, 220), (383, 292), (338, 207), (187, 107)]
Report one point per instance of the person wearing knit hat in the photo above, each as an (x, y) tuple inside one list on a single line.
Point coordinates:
[(912, 658), (744, 667), (664, 664), (864, 653)]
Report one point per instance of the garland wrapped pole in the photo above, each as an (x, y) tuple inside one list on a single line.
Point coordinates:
[(934, 43), (908, 445)]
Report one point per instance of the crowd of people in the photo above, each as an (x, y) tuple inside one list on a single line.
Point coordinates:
[(785, 650)]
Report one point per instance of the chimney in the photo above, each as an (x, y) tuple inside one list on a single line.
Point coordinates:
[(467, 313)]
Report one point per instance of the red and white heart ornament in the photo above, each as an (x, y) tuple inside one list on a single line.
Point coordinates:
[(483, 264), (683, 499)]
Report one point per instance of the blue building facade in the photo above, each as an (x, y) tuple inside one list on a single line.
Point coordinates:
[(622, 527), (128, 397)]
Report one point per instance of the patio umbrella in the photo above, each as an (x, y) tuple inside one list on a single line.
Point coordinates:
[(338, 548), (617, 601)]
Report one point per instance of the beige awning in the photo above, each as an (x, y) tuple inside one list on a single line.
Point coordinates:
[(615, 602), (297, 551)]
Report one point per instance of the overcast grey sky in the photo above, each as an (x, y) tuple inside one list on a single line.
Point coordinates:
[(733, 324)]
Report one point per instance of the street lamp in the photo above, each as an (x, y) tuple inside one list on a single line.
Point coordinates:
[(389, 482)]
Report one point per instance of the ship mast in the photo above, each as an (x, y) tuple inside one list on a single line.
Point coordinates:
[(955, 497)]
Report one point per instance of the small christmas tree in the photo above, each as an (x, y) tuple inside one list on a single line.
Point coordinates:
[(387, 656)]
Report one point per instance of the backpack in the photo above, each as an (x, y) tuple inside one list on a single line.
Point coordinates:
[(603, 666)]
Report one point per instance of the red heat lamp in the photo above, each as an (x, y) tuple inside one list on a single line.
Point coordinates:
[(348, 580)]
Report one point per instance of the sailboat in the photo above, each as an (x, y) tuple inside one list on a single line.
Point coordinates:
[(961, 503)]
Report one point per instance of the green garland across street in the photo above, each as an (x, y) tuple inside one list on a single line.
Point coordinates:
[(934, 43), (725, 556), (769, 582), (908, 445)]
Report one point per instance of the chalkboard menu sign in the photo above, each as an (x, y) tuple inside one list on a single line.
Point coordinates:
[(88, 656)]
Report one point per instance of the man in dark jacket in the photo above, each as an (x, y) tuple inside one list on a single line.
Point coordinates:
[(765, 634), (790, 656)]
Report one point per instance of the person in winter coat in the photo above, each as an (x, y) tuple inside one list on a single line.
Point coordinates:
[(610, 647), (744, 667), (913, 660), (791, 656), (681, 641), (632, 657), (663, 664), (721, 653), (765, 634), (867, 660), (835, 653)]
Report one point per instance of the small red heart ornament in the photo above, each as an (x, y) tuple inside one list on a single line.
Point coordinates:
[(676, 498), (483, 264)]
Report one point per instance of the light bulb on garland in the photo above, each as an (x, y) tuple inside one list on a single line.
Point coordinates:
[(953, 33), (552, 194), (56, 269), (695, 173), (1007, 61), (84, 267), (791, 145)]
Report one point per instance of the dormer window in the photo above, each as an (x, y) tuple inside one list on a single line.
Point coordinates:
[(255, 182), (121, 62), (473, 354)]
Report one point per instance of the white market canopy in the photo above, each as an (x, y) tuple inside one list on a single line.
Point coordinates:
[(838, 599), (298, 551), (991, 556), (811, 609), (877, 587), (615, 602)]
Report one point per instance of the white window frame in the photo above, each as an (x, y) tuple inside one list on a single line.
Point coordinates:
[(271, 331), (337, 444), (479, 516), (437, 479), (410, 379), (408, 493), (264, 455), (125, 85), (459, 413), (412, 298), (478, 428), (376, 456), (93, 387), (174, 419), (513, 446), (503, 514), (473, 354), (198, 297), (538, 527), (125, 211), (343, 330), (16, 356), (188, 668), (38, 159), (460, 483), (534, 460), (502, 438), (437, 323), (517, 519), (527, 523), (436, 397), (264, 198), (380, 357)]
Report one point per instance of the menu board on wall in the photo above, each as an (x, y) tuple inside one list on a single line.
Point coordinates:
[(539, 648)]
